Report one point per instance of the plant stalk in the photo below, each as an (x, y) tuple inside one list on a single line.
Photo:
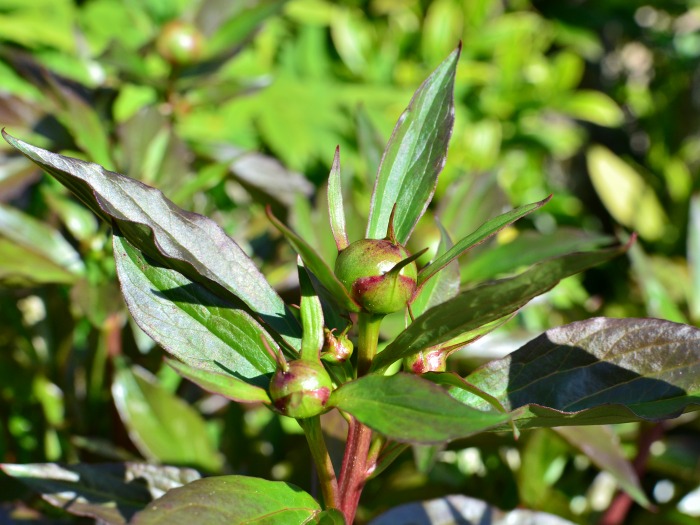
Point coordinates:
[(353, 474), (322, 460)]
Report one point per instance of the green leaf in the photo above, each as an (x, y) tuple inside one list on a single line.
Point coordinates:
[(486, 230), (625, 193), (187, 242), (526, 249), (486, 303), (223, 384), (603, 448), (311, 318), (415, 155), (335, 204), (109, 492), (331, 517), (597, 371), (316, 265), (163, 427), (407, 408), (39, 238), (190, 322), (592, 106), (231, 499), (693, 256), (462, 509), (24, 267)]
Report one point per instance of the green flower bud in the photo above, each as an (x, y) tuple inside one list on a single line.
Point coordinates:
[(336, 349), (302, 390), (430, 361), (180, 43), (364, 266)]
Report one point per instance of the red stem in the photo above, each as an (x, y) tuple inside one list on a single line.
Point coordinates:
[(353, 474)]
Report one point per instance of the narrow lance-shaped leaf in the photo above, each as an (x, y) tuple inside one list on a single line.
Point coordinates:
[(335, 204), (486, 230), (597, 371), (486, 303), (225, 385), (189, 321), (311, 317), (316, 265), (190, 243), (405, 407), (231, 499), (415, 155), (109, 492)]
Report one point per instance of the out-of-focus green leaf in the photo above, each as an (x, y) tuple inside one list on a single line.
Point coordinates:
[(694, 256), (231, 499), (526, 249), (597, 371), (415, 155), (223, 384), (444, 511), (626, 195), (486, 303), (316, 265), (109, 492), (23, 266), (196, 326), (602, 446), (79, 221), (187, 242), (592, 106), (486, 230), (163, 427), (407, 408), (25, 23)]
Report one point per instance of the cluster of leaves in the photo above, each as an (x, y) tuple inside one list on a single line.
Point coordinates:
[(107, 92)]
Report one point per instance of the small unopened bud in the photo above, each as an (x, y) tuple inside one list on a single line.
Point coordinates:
[(301, 390), (365, 267), (430, 361), (336, 349)]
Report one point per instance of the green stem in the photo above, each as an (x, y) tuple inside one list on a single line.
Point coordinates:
[(322, 460), (353, 474)]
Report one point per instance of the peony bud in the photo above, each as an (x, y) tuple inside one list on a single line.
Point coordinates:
[(302, 390)]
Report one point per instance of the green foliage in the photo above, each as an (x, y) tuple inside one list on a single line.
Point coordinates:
[(591, 103)]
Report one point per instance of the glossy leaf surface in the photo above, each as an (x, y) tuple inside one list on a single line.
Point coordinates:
[(597, 371), (405, 407), (162, 426), (231, 499), (486, 303), (189, 321), (109, 492), (190, 243), (415, 155)]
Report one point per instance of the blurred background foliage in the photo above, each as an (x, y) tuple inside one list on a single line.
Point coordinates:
[(227, 106)]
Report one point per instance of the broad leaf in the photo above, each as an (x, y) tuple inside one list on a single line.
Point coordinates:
[(223, 384), (163, 427), (462, 509), (415, 155), (190, 243), (407, 408), (316, 265), (486, 230), (486, 303), (109, 492), (231, 499), (597, 371), (189, 321), (602, 446)]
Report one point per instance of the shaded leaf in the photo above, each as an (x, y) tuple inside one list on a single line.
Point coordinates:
[(163, 427), (231, 499), (109, 492), (486, 303), (223, 384), (415, 155), (462, 509), (189, 321), (597, 371), (603, 448), (405, 407), (486, 230), (190, 243)]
